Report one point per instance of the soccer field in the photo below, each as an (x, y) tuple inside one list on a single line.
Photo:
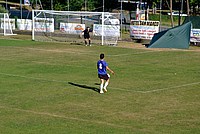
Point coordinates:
[(52, 88)]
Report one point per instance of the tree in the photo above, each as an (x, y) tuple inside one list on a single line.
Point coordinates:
[(96, 5), (74, 5), (172, 21), (193, 4), (2, 9), (188, 8)]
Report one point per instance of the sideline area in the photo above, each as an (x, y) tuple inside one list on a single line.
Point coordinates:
[(126, 43)]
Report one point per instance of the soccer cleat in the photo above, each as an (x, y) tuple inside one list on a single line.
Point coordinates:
[(105, 90), (101, 92)]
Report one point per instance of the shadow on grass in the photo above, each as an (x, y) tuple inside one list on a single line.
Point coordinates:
[(84, 86), (96, 83)]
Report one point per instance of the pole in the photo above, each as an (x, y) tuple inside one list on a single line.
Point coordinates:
[(147, 10), (6, 5), (68, 5), (121, 19), (103, 5), (160, 14), (172, 21), (181, 9), (179, 14), (21, 8), (85, 5), (33, 25), (102, 37), (102, 30), (68, 9), (129, 9), (36, 4), (51, 4)]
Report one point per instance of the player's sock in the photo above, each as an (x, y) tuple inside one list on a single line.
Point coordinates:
[(101, 88), (89, 42), (105, 86), (86, 43)]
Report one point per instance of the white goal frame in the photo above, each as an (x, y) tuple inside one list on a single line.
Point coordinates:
[(7, 27), (36, 13)]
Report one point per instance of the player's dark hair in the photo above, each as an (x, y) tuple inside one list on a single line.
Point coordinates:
[(101, 56)]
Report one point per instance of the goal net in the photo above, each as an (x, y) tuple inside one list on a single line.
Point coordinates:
[(67, 26), (5, 24)]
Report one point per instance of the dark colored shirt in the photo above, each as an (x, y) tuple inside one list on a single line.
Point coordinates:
[(101, 66)]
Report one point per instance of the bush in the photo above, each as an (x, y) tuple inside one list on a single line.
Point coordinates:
[(3, 10)]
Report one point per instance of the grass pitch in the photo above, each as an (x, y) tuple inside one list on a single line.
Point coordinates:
[(53, 88)]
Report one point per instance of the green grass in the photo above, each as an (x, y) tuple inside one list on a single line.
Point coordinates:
[(50, 88)]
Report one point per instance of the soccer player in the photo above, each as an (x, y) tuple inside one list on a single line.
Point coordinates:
[(86, 34), (102, 66)]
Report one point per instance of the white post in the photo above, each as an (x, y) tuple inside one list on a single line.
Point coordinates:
[(4, 24), (121, 19), (33, 26), (9, 24), (103, 25), (160, 15), (102, 30)]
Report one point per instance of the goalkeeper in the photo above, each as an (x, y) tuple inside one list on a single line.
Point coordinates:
[(86, 34)]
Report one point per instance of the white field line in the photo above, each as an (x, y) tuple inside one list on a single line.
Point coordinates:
[(42, 79), (122, 89), (161, 89), (66, 117), (149, 91), (179, 86)]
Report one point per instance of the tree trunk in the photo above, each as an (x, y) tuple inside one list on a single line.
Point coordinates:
[(172, 21), (188, 8)]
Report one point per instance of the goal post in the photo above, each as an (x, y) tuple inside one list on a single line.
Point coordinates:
[(5, 24), (67, 26)]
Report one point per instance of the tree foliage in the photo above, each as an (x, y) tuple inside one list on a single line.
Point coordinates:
[(74, 5), (97, 5), (2, 9)]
